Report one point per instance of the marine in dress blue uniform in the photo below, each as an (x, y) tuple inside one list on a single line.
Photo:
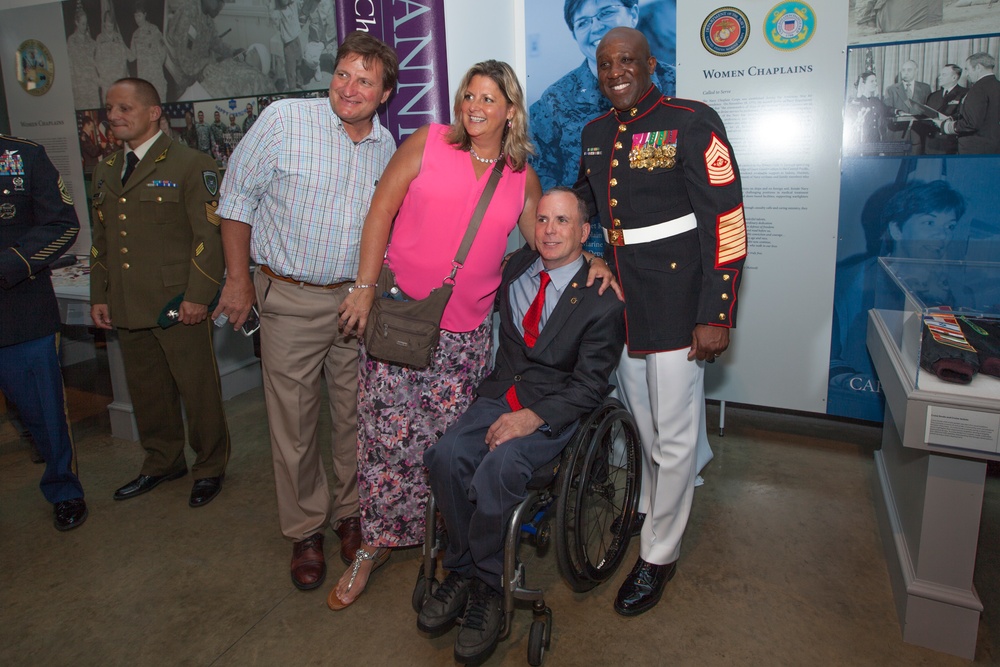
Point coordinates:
[(661, 174), (37, 225)]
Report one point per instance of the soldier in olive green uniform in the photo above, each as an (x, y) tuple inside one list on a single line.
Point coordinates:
[(156, 236)]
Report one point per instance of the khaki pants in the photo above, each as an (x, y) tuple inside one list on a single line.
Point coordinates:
[(300, 346)]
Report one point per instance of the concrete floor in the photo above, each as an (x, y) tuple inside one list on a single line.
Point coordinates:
[(781, 565)]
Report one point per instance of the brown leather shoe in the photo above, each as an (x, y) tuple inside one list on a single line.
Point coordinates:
[(308, 563), (349, 532)]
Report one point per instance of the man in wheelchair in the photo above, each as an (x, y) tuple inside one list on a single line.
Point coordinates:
[(559, 341)]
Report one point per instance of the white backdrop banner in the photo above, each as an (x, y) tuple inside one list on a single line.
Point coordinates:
[(40, 95), (774, 72)]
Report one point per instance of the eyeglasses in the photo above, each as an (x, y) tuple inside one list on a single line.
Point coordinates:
[(606, 17)]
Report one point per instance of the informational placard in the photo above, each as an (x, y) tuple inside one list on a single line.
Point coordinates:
[(966, 429), (773, 72), (39, 94)]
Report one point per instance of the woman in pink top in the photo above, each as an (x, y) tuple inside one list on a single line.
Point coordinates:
[(430, 189)]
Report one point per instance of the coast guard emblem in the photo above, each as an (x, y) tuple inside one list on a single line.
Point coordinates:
[(789, 25)]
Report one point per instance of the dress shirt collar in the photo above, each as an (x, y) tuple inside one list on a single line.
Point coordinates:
[(377, 134), (559, 277), (143, 148)]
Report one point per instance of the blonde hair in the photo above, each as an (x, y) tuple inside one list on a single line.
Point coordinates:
[(515, 143)]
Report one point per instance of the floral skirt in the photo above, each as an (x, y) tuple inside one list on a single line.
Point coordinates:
[(401, 412)]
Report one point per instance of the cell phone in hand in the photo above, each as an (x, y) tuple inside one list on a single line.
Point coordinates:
[(252, 323)]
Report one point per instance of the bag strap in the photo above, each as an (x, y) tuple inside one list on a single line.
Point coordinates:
[(477, 218)]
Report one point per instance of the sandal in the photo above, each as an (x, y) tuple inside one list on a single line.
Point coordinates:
[(378, 558)]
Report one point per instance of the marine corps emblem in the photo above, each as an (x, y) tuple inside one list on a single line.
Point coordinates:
[(725, 31)]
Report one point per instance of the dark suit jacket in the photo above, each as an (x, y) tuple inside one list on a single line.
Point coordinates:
[(157, 236), (37, 225), (947, 103), (565, 375), (978, 125)]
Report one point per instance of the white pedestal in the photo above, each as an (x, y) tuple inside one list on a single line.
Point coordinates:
[(929, 501)]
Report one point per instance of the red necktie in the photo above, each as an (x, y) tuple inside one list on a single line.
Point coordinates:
[(534, 313), (532, 317)]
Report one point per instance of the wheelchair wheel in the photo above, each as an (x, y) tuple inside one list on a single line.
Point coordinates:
[(536, 643), (599, 482)]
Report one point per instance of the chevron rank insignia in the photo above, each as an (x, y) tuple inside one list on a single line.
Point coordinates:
[(719, 163), (211, 213), (64, 193)]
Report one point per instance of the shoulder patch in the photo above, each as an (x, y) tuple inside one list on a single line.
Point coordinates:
[(211, 180)]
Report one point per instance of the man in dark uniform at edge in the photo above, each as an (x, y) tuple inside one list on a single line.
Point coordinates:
[(37, 225), (947, 100), (156, 236), (660, 173), (978, 122)]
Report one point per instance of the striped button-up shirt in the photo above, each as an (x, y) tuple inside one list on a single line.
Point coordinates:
[(304, 187)]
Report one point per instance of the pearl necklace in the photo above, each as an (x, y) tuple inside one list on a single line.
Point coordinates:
[(482, 159)]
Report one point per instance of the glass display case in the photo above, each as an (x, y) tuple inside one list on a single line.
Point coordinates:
[(944, 319), (932, 336)]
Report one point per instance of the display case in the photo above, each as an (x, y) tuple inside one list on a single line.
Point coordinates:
[(934, 312), (932, 338)]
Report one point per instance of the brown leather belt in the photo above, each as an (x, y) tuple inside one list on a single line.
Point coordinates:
[(301, 283)]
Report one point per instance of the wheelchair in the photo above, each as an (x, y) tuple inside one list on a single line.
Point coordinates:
[(587, 494)]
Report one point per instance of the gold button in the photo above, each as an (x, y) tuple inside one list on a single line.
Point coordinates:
[(125, 265), (123, 233), (622, 128), (121, 200), (121, 216), (673, 265), (633, 111), (617, 222), (725, 297), (124, 251), (159, 199), (573, 300), (722, 317), (614, 163), (574, 285), (588, 172), (614, 202), (725, 276), (613, 182), (618, 145)]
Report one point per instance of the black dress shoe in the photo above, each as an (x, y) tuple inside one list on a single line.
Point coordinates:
[(643, 587), (70, 514), (204, 490), (145, 483)]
